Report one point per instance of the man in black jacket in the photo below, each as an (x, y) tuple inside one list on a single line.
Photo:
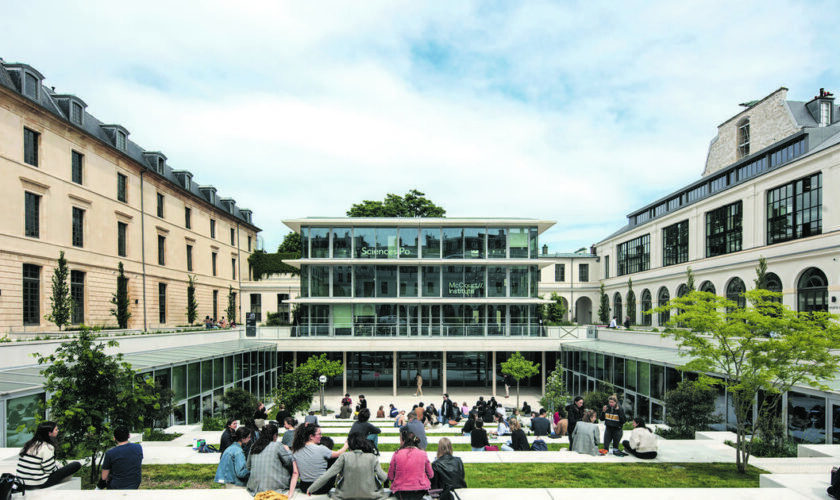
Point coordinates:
[(575, 411)]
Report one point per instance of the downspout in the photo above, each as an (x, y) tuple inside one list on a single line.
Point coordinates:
[(239, 274), (143, 247)]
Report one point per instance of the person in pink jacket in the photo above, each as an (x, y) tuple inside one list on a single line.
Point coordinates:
[(410, 471)]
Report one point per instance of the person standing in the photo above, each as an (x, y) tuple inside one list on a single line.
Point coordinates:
[(575, 415), (36, 465), (614, 419), (418, 379), (122, 465), (446, 412), (508, 383), (260, 415)]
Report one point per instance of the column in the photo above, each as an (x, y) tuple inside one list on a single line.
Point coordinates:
[(444, 371), (542, 367), (493, 372), (344, 375), (294, 359), (396, 374)]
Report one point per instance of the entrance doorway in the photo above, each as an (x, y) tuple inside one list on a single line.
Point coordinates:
[(428, 365)]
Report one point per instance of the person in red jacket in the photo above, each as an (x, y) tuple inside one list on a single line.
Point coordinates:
[(410, 471)]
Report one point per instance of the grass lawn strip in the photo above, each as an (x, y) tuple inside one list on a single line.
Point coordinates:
[(539, 475)]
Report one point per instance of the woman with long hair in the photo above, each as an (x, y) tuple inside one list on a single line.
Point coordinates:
[(36, 463), (478, 436), (448, 469), (518, 440), (361, 476), (642, 442), (311, 457), (410, 471), (585, 436), (271, 464)]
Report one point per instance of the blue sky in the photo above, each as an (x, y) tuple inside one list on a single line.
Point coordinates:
[(578, 112)]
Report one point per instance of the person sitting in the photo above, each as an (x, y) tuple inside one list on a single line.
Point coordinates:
[(410, 471), (400, 420), (502, 428), (393, 411), (415, 426), (36, 465), (208, 323), (345, 412), (526, 408), (227, 435), (469, 425), (465, 410), (518, 440), (346, 400), (364, 426), (478, 436), (232, 469), (380, 413), (541, 425), (121, 467), (311, 457), (270, 463), (585, 435), (222, 323), (642, 443), (289, 435), (361, 476), (448, 469)]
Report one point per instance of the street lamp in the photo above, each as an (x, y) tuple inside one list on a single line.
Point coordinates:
[(323, 380)]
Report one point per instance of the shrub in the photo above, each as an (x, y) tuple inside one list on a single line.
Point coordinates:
[(274, 319), (239, 403), (596, 400), (213, 424), (691, 408), (159, 435)]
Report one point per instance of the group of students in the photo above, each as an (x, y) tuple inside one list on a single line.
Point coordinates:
[(37, 467), (311, 464), (582, 428)]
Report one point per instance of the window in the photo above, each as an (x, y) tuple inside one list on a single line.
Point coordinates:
[(233, 269), (735, 292), (215, 304), (583, 272), (121, 185), (744, 138), (32, 215), (812, 291), (76, 113), (120, 142), (213, 228), (77, 293), (30, 147), (162, 250), (76, 166), (249, 242), (675, 244), (188, 217), (78, 227), (559, 273), (232, 237), (31, 294), (606, 266), (256, 305), (647, 305), (213, 262), (160, 205), (825, 114), (30, 85), (723, 230), (189, 258), (662, 298), (795, 210), (122, 229), (162, 303), (634, 255)]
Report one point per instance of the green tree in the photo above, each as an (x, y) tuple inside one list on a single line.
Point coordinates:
[(297, 385), (90, 393), (192, 303), (604, 307), (291, 244), (120, 299), (556, 311), (762, 347), (761, 274), (518, 367), (631, 301), (413, 204), (62, 302), (556, 396), (691, 408), (239, 403), (231, 307)]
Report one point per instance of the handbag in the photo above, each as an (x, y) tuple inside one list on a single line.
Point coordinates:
[(491, 448)]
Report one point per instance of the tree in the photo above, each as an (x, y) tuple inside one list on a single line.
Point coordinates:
[(413, 204), (556, 396), (291, 244), (90, 393), (762, 347), (518, 367), (631, 302), (691, 408), (120, 299), (239, 403), (297, 385), (604, 308), (556, 311), (231, 307), (761, 274), (192, 303), (62, 302)]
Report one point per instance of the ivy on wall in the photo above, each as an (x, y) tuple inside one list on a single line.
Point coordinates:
[(263, 264)]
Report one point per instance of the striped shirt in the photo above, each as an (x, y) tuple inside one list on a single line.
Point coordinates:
[(36, 465)]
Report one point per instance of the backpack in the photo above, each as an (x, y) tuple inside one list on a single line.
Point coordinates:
[(539, 445), (9, 483)]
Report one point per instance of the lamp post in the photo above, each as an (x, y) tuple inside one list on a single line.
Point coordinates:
[(323, 380)]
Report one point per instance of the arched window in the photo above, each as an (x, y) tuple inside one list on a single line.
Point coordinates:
[(708, 286), (682, 290), (662, 298), (744, 138), (647, 305), (617, 309), (735, 292), (812, 291), (774, 284)]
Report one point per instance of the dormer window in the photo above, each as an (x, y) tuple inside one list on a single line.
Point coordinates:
[(120, 140), (72, 107), (26, 78), (76, 113), (30, 86), (744, 138), (825, 114)]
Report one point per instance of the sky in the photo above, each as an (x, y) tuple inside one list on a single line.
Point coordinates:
[(577, 112)]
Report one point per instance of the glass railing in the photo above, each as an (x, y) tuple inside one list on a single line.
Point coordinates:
[(368, 330)]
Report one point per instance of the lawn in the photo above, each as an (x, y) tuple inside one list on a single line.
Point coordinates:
[(536, 475)]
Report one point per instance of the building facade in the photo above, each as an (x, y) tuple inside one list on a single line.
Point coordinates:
[(75, 184)]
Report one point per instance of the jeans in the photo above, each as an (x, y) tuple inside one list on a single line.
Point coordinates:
[(612, 436), (59, 475), (478, 449)]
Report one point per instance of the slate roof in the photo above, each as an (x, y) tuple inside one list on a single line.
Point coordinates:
[(47, 99)]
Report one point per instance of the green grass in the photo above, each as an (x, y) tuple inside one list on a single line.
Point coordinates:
[(539, 475)]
